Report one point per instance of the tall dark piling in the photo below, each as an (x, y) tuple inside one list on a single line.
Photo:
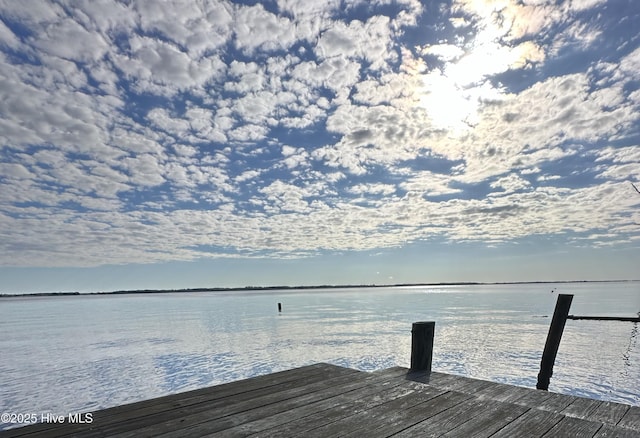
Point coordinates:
[(553, 340), (422, 345)]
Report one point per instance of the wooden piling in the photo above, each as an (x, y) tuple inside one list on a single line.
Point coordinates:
[(279, 307), (553, 340), (422, 345)]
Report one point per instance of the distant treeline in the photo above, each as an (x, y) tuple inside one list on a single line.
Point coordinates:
[(224, 289), (268, 288), (40, 294)]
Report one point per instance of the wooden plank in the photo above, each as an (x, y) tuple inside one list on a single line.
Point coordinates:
[(631, 419), (555, 402), (179, 417), (436, 379), (392, 373), (503, 393), (533, 423), (535, 398), (471, 386), (573, 427), (609, 431), (374, 417), (448, 419), (609, 412), (378, 390), (581, 408), (226, 417), (339, 407), (467, 384), (117, 414), (394, 422), (485, 425), (397, 369)]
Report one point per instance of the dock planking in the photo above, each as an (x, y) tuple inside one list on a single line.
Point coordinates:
[(326, 400)]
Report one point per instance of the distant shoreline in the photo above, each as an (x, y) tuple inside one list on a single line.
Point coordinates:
[(270, 288)]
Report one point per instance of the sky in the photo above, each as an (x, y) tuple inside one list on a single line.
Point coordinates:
[(180, 144)]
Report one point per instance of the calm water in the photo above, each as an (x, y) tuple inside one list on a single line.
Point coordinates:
[(82, 353)]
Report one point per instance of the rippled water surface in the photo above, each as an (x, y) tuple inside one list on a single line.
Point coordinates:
[(82, 353)]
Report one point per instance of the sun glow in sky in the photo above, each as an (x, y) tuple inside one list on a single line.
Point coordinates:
[(286, 142)]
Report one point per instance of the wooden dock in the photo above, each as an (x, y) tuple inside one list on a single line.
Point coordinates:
[(325, 400)]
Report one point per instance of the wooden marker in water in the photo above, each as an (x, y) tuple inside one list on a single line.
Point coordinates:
[(279, 307)]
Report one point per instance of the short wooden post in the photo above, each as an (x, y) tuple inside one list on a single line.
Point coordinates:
[(422, 345), (279, 307), (553, 340)]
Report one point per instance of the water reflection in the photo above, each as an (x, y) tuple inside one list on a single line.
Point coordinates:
[(626, 356)]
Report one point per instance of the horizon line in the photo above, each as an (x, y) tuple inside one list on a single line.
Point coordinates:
[(299, 287)]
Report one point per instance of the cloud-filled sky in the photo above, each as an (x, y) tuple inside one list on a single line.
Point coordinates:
[(148, 144)]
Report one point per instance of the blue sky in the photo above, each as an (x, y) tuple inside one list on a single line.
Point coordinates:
[(329, 142)]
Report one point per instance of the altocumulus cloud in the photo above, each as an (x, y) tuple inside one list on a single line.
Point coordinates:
[(135, 133)]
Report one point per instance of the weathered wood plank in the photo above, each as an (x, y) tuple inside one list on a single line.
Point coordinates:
[(631, 419), (581, 408), (436, 379), (485, 425), (376, 416), (177, 405), (555, 402), (609, 412), (533, 423), (225, 417), (448, 419), (609, 431), (396, 421), (378, 389), (172, 403), (535, 398), (573, 427), (503, 393), (339, 407), (224, 413), (395, 373), (467, 384)]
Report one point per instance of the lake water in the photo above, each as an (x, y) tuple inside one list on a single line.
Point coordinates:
[(82, 353)]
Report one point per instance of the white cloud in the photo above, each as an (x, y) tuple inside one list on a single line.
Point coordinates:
[(510, 183), (249, 132), (629, 65), (7, 37), (144, 170), (67, 39), (247, 175), (198, 27), (428, 183), (255, 27), (577, 34), (373, 189), (162, 68), (446, 52), (15, 171), (336, 73), (370, 41), (628, 154)]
